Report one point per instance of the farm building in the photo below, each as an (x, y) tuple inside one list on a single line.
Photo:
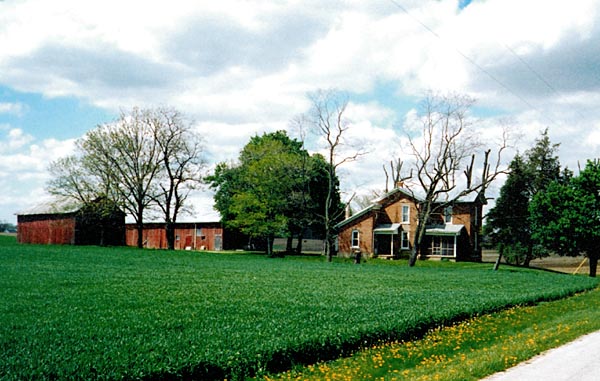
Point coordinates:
[(387, 227), (65, 222), (188, 235)]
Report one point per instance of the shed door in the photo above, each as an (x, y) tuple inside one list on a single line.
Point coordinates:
[(218, 242)]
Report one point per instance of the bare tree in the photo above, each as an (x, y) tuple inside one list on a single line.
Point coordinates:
[(181, 158), (327, 120), (396, 173), (446, 145), (126, 155), (148, 158)]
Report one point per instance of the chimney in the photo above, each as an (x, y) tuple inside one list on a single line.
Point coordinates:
[(347, 212), (399, 184)]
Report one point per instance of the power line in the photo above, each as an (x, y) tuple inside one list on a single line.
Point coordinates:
[(538, 75), (476, 65)]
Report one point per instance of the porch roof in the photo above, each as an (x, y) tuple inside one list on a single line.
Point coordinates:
[(387, 229), (446, 230)]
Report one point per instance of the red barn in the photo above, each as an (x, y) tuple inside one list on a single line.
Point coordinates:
[(188, 235), (65, 222)]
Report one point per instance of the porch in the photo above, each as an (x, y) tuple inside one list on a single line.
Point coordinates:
[(442, 242)]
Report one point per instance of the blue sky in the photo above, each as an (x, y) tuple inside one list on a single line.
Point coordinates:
[(239, 68), (44, 118)]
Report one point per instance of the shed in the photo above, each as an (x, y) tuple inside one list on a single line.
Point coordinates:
[(63, 221), (188, 235)]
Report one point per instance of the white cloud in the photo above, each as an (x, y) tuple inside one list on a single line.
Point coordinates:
[(239, 68), (12, 108), (23, 169), (17, 139)]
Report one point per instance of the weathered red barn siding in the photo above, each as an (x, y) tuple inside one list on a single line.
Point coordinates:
[(46, 229), (192, 236)]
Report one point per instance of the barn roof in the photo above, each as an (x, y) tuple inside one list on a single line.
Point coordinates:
[(52, 206)]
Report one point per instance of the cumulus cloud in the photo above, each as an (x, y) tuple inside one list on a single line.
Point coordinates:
[(23, 168), (14, 108), (241, 68), (16, 138)]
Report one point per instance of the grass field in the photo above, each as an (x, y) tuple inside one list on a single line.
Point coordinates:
[(469, 350), (121, 313)]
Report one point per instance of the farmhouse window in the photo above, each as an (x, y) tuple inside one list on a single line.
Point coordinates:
[(355, 239), (404, 243), (405, 214), (448, 215), (443, 246)]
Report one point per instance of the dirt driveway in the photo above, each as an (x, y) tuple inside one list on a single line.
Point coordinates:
[(567, 265)]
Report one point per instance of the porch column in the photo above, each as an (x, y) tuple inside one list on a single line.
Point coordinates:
[(454, 246)]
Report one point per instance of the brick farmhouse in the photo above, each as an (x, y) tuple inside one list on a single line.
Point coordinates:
[(386, 229)]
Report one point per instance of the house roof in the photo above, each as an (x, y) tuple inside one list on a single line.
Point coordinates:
[(376, 204), (52, 206), (446, 230)]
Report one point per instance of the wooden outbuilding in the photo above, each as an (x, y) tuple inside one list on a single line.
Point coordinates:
[(66, 222), (188, 236)]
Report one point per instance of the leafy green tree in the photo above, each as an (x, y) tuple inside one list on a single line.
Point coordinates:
[(566, 216), (308, 202), (272, 190), (509, 221), (7, 227)]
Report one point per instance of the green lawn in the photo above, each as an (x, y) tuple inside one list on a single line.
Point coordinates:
[(122, 313)]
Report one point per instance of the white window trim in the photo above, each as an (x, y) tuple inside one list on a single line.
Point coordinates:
[(405, 220), (404, 240), (357, 232)]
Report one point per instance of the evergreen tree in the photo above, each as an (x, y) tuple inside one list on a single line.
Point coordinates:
[(509, 221)]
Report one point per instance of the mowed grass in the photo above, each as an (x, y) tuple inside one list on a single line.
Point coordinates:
[(121, 313)]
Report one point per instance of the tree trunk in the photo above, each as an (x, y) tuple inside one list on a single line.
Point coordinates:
[(289, 244), (528, 256), (170, 232), (329, 247), (299, 246), (102, 234), (497, 264), (270, 239), (140, 235), (414, 253), (593, 258)]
